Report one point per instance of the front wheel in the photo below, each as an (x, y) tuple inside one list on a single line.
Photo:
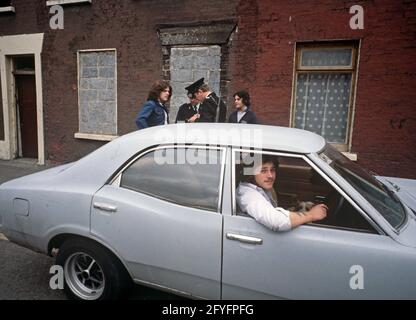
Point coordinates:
[(91, 271)]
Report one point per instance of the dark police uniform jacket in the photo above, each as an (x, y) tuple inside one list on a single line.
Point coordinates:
[(249, 117), (208, 109), (185, 112)]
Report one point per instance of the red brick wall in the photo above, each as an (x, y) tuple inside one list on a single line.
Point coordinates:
[(384, 130), (130, 27), (261, 60)]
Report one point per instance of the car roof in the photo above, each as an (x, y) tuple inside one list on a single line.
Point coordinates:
[(93, 170), (232, 134)]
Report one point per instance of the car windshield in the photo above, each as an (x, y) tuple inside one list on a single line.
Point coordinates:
[(379, 195)]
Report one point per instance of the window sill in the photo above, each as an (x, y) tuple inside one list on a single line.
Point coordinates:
[(7, 9), (62, 2), (351, 156), (90, 136)]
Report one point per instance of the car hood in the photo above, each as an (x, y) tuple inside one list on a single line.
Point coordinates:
[(405, 189)]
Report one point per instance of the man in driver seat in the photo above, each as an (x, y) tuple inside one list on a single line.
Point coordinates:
[(255, 196)]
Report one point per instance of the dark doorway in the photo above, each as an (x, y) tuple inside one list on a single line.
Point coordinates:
[(5, 3), (27, 115)]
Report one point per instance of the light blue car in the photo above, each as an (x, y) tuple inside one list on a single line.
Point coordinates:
[(157, 207)]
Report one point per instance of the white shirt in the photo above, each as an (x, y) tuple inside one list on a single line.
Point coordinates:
[(196, 107), (166, 114), (166, 117), (259, 204), (241, 114)]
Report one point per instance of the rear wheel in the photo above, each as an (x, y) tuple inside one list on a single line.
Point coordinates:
[(91, 271)]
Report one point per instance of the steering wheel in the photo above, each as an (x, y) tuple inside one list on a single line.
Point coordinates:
[(334, 202)]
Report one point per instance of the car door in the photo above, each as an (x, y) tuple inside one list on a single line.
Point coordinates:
[(324, 260), (161, 214)]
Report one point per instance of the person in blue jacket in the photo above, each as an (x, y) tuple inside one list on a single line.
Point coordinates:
[(154, 111)]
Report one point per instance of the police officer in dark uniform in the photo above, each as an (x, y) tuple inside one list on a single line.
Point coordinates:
[(212, 108), (188, 112)]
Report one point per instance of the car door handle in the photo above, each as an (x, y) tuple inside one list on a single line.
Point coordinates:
[(242, 238), (105, 207)]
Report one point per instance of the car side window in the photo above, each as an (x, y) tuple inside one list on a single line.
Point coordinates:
[(186, 176), (298, 186)]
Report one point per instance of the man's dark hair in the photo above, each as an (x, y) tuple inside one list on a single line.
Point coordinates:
[(265, 158), (157, 88), (204, 88), (244, 96)]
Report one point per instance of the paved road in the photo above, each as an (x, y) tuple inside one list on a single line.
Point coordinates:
[(24, 274), (17, 168)]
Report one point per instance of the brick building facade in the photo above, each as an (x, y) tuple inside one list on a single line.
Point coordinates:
[(383, 126), (263, 46)]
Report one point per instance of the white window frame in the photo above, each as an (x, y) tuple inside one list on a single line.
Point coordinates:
[(10, 46), (64, 2), (353, 68), (7, 9)]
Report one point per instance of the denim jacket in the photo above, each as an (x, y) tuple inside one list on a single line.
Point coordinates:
[(151, 114)]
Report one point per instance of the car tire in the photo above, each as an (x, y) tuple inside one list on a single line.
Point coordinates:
[(91, 271)]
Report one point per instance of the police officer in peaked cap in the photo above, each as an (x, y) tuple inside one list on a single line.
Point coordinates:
[(212, 108)]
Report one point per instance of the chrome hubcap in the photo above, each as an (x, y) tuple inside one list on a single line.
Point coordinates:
[(84, 276)]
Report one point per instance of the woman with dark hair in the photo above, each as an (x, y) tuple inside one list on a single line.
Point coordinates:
[(243, 113), (154, 112)]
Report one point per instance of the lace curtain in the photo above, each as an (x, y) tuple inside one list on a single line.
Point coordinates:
[(322, 103)]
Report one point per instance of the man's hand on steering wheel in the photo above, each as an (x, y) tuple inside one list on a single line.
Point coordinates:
[(318, 212)]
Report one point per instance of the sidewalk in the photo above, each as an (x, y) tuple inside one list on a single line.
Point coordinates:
[(11, 169)]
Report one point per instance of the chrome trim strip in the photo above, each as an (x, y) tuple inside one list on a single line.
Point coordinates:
[(221, 186), (233, 186), (243, 238), (327, 226), (104, 207), (116, 181), (167, 289)]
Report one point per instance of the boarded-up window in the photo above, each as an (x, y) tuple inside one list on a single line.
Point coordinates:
[(188, 64), (97, 92)]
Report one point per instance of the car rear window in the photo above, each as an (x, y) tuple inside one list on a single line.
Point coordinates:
[(186, 176)]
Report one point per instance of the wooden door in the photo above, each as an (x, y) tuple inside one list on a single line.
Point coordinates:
[(26, 102)]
